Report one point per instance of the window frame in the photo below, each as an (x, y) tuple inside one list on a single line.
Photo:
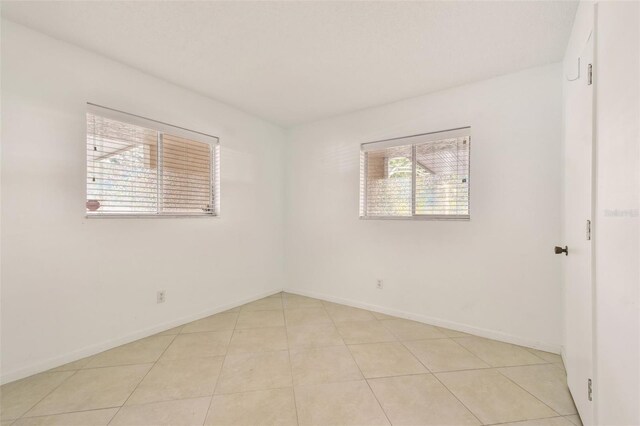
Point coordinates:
[(413, 141), (161, 128)]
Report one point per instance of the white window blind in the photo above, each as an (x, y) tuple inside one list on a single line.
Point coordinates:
[(423, 176), (141, 167)]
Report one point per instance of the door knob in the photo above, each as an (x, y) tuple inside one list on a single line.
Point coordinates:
[(560, 250)]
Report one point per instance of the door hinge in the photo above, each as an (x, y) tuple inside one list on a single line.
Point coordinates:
[(588, 230), (590, 390), (590, 75)]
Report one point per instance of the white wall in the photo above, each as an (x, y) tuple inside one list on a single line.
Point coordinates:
[(73, 286), (495, 275), (617, 224)]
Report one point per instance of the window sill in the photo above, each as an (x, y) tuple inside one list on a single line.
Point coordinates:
[(420, 217), (150, 216)]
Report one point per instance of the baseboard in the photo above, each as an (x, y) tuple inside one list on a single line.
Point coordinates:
[(100, 347), (465, 328), (110, 344)]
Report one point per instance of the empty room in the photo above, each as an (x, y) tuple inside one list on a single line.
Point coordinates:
[(320, 213)]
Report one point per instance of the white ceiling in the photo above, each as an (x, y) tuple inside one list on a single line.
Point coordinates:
[(293, 62)]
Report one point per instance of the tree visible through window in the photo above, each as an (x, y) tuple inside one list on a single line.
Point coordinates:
[(425, 176), (149, 169)]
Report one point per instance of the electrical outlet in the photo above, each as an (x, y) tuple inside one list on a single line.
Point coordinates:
[(160, 296), (379, 284)]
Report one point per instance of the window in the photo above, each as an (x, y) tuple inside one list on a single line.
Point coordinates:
[(141, 167), (416, 177)]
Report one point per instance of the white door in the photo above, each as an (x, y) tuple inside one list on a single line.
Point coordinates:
[(578, 211)]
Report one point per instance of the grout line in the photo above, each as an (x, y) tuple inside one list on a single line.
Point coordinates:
[(323, 307), (182, 327), (68, 412), (155, 334), (522, 421), (242, 391), (377, 400), (577, 415), (224, 360), (424, 373), (143, 377), (360, 369), (455, 339), (459, 400), (531, 350), (521, 387), (503, 375), (293, 388), (114, 407), (152, 363), (48, 393), (438, 379)]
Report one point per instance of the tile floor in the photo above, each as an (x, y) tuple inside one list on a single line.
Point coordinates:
[(287, 360)]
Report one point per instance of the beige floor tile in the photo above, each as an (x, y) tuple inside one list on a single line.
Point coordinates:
[(269, 407), (178, 379), (381, 316), (339, 313), (547, 356), (575, 419), (346, 403), (545, 382), (217, 322), (412, 330), (81, 418), (452, 333), (19, 396), (385, 359), (258, 340), (139, 352), (420, 400), (266, 304), (259, 319), (294, 301), (293, 296), (314, 336), (307, 317), (323, 365), (498, 354), (253, 384), (254, 371), (328, 305), (492, 397), (198, 345), (552, 421), (72, 366), (171, 332), (92, 389), (364, 332), (183, 412), (444, 355)]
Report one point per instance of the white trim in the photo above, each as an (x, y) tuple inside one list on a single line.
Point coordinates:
[(481, 332), (100, 347), (58, 361), (150, 123), (421, 217), (147, 215), (416, 139), (160, 128)]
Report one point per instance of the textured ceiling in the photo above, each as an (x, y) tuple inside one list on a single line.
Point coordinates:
[(293, 62)]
